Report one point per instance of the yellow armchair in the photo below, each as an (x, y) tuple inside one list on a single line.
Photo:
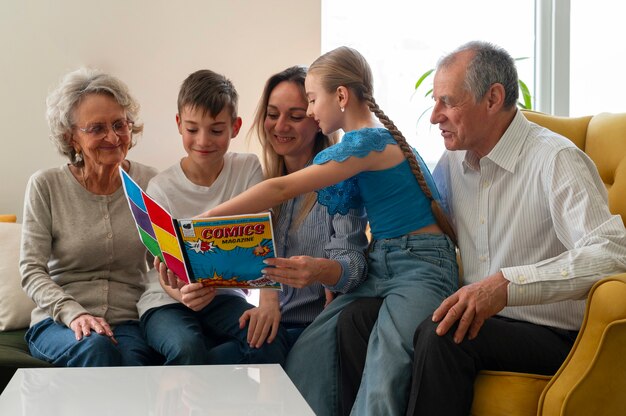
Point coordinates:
[(592, 380)]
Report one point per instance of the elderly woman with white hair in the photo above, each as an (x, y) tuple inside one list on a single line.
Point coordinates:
[(81, 260)]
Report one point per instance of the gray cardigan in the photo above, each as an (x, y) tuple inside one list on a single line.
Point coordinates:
[(80, 252)]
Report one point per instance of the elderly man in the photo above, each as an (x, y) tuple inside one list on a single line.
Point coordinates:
[(535, 233)]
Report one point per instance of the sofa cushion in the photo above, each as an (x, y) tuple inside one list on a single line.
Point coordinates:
[(14, 354), (15, 306), (520, 397), (14, 351)]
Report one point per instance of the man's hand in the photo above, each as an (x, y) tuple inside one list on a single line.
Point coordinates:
[(471, 305)]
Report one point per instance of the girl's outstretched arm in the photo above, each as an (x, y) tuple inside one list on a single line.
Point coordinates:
[(275, 191)]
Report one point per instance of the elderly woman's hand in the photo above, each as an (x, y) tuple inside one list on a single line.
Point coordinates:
[(84, 324), (168, 278)]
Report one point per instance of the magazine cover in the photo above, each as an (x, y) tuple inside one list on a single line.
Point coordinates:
[(228, 251), (224, 252)]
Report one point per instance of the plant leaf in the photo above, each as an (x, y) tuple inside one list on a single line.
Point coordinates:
[(527, 101), (423, 77), (423, 114)]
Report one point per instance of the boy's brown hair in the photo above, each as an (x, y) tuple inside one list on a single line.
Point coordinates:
[(209, 91)]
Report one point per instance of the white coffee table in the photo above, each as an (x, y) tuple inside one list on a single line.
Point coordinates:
[(155, 391)]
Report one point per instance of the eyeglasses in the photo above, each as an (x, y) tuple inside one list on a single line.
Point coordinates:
[(99, 130)]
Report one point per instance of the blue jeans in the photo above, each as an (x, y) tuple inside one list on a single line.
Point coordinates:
[(413, 274), (56, 344), (293, 332), (209, 336)]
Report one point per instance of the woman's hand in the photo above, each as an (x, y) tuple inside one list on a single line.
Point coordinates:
[(84, 324), (195, 296), (302, 271), (168, 278), (264, 319), (329, 297)]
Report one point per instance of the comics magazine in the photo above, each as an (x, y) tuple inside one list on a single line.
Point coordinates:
[(228, 251), (224, 252)]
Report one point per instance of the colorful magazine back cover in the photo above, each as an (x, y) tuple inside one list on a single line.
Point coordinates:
[(155, 226), (228, 251)]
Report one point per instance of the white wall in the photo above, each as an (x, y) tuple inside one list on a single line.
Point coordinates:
[(152, 45)]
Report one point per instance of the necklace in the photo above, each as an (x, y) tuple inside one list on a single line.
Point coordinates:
[(100, 187), (82, 174)]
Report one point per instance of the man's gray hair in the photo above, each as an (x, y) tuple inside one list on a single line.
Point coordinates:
[(490, 64)]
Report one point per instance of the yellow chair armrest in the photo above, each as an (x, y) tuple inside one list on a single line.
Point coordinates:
[(592, 379)]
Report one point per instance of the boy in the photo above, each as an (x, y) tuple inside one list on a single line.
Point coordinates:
[(208, 331)]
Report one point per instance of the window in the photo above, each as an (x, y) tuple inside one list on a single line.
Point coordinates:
[(402, 39), (597, 58)]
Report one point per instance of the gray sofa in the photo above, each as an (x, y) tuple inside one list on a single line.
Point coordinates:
[(15, 306)]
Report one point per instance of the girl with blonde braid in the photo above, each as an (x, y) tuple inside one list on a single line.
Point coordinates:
[(411, 259)]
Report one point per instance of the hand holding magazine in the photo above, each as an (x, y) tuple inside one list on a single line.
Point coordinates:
[(223, 252)]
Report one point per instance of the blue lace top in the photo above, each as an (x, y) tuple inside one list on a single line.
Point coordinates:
[(392, 198)]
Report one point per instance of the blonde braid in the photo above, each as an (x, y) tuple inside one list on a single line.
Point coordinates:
[(440, 217)]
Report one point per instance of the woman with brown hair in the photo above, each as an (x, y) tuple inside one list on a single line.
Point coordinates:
[(321, 252)]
